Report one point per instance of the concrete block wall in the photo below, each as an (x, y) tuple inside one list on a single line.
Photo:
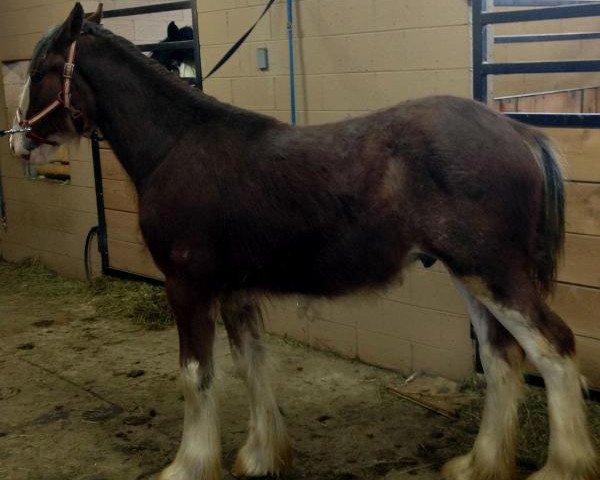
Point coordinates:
[(352, 56)]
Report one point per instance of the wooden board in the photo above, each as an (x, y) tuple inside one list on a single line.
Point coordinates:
[(132, 257), (123, 226), (120, 195), (581, 260), (49, 217), (589, 359), (579, 307), (580, 149), (583, 208), (55, 194), (111, 167)]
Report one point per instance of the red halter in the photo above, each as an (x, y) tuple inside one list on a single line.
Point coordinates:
[(63, 99)]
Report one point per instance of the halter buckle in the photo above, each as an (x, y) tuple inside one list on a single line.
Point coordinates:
[(68, 70)]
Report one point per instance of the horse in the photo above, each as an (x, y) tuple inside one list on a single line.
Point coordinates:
[(176, 60), (234, 205)]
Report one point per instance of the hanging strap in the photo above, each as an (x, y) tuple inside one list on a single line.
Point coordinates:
[(239, 43)]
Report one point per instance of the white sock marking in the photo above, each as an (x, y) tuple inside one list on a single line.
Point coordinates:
[(199, 453)]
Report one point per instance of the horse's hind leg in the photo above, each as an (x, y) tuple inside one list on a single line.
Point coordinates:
[(494, 452), (267, 450), (199, 454), (550, 345)]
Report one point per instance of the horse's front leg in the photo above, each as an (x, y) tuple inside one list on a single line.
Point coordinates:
[(199, 455), (267, 450)]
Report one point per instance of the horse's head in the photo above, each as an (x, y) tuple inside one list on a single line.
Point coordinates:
[(55, 103), (172, 59)]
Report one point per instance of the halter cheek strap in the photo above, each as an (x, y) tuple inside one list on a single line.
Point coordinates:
[(63, 99)]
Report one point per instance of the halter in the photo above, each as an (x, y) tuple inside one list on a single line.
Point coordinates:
[(63, 99)]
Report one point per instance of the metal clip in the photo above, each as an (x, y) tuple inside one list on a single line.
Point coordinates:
[(11, 131)]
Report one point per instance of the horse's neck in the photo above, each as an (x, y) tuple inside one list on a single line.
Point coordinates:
[(140, 112)]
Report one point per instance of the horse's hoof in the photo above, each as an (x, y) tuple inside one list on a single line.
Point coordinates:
[(254, 462), (578, 471), (466, 467), (181, 471)]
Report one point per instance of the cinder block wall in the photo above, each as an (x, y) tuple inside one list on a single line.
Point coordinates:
[(352, 57)]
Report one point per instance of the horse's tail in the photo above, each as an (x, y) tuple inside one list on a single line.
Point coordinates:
[(551, 225)]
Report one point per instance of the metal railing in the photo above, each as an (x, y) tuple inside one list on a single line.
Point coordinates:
[(482, 67)]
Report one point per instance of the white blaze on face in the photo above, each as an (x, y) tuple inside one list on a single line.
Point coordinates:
[(17, 141)]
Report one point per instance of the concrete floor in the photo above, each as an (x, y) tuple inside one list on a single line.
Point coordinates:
[(90, 398)]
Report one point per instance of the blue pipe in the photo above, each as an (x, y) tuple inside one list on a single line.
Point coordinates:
[(290, 31)]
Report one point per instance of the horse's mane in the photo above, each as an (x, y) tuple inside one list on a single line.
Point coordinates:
[(42, 47), (193, 97)]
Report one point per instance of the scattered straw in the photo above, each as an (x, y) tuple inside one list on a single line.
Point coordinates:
[(140, 302), (137, 301), (533, 426)]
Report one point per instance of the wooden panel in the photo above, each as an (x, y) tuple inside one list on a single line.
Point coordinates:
[(123, 226), (82, 173), (583, 208), (64, 264), (581, 152), (47, 240), (55, 194), (120, 195), (111, 167), (49, 217), (35, 19), (579, 307), (589, 103), (588, 354), (132, 257), (508, 105), (11, 166), (560, 102), (581, 260)]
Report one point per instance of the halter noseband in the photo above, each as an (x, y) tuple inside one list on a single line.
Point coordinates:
[(63, 99)]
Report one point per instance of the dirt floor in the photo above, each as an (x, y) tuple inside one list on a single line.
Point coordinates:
[(91, 397)]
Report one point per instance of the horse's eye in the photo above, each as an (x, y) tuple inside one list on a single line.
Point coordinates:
[(37, 77)]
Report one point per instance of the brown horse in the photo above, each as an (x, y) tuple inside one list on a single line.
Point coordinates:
[(234, 204)]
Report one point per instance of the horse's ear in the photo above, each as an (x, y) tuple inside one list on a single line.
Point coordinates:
[(172, 31), (95, 17), (70, 30)]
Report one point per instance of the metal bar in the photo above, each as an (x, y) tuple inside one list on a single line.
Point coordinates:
[(290, 32), (541, 67), (127, 275), (537, 14), (2, 207), (558, 120), (197, 57), (539, 3), (546, 37), (158, 8), (102, 238), (479, 40), (155, 47)]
